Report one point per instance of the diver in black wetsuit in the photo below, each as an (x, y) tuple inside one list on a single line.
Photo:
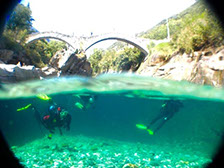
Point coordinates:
[(167, 111), (56, 117), (87, 101)]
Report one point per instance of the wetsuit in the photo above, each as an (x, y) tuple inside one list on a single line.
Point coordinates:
[(53, 118), (87, 100), (167, 111)]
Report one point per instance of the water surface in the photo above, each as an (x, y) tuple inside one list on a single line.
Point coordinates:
[(105, 133)]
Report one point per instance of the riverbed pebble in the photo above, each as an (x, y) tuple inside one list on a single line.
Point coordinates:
[(81, 151)]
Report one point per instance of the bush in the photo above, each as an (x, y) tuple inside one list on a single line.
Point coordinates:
[(123, 60)]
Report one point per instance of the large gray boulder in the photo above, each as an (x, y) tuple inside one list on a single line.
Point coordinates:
[(71, 64), (7, 73), (14, 73), (26, 73)]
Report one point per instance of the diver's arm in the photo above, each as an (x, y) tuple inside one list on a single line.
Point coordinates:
[(38, 116)]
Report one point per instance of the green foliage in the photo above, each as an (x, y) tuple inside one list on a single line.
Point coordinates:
[(164, 48), (18, 28), (54, 46), (191, 30), (198, 31), (20, 19), (94, 59), (129, 58), (157, 33), (41, 51), (123, 60), (35, 52)]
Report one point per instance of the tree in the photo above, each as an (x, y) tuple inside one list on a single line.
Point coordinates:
[(123, 60), (94, 60), (20, 19), (19, 24)]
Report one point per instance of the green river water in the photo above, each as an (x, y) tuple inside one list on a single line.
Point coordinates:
[(103, 133)]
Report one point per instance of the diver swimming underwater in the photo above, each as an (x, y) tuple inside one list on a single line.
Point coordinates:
[(54, 117), (85, 101), (168, 109)]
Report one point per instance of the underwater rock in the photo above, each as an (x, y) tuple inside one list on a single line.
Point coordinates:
[(117, 154), (129, 165), (54, 147)]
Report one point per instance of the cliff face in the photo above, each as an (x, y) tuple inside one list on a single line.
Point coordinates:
[(201, 67)]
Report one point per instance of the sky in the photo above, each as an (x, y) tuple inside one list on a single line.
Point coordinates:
[(81, 17)]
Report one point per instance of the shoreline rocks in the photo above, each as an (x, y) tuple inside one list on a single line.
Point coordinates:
[(60, 65), (199, 68)]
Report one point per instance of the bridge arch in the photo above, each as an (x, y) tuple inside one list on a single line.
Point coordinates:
[(123, 39), (51, 35)]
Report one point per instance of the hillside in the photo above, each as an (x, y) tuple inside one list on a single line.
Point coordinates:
[(195, 51), (193, 29)]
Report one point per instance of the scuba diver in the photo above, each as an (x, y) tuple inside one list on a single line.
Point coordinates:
[(86, 101), (55, 117), (167, 111)]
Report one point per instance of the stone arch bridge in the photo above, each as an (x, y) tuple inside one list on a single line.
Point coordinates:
[(84, 43)]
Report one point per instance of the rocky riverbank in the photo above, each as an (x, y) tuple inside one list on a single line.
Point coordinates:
[(61, 64), (203, 67)]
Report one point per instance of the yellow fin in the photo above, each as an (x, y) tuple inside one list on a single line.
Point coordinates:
[(43, 96), (150, 132)]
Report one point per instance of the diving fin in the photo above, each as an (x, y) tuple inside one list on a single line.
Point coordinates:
[(43, 96), (143, 127), (24, 108), (79, 105), (150, 131), (140, 126)]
